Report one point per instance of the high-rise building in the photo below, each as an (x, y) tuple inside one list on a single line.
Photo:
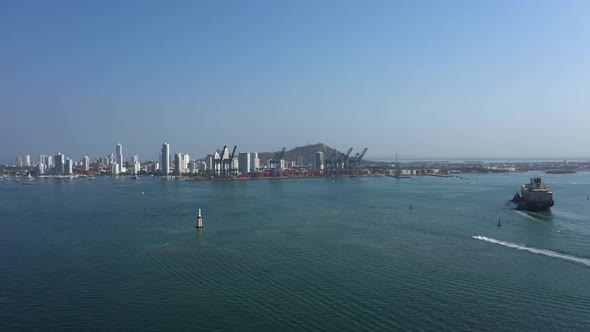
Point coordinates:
[(318, 162), (244, 162), (119, 152), (178, 164), (210, 161), (28, 160), (254, 161), (202, 166), (216, 166), (300, 161), (85, 164), (49, 163), (19, 161), (40, 169), (234, 165), (134, 159), (60, 164), (155, 167), (115, 169), (69, 169), (186, 159), (165, 158), (136, 168)]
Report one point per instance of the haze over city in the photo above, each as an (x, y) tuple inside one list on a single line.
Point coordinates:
[(427, 79)]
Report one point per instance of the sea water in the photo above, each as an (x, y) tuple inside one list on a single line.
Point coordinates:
[(298, 254)]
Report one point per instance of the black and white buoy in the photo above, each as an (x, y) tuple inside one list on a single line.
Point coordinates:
[(200, 220)]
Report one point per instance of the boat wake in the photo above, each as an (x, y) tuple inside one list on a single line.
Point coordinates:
[(544, 252), (525, 215)]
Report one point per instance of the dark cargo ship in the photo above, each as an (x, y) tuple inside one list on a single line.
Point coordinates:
[(534, 196)]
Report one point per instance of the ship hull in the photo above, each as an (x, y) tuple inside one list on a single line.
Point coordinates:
[(534, 207)]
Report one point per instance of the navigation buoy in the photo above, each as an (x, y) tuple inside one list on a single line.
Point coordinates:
[(142, 192), (145, 210), (200, 220), (499, 223), (411, 206)]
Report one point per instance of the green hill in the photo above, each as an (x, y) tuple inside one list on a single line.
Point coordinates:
[(307, 152)]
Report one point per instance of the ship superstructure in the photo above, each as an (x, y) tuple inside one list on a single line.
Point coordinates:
[(534, 196)]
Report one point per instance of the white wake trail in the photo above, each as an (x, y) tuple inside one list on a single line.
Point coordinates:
[(544, 252), (525, 215)]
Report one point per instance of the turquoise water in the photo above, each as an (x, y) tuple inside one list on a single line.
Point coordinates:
[(302, 254)]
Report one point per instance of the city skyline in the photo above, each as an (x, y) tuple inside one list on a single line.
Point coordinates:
[(426, 80)]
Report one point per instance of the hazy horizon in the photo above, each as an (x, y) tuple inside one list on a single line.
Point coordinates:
[(425, 79)]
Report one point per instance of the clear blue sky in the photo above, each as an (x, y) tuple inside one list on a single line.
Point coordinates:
[(430, 79)]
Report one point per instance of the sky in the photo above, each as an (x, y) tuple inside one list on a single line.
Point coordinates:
[(424, 79)]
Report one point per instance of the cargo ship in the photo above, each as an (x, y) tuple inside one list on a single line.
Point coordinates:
[(534, 196)]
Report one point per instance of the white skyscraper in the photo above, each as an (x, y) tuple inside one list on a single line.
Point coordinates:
[(234, 164), (119, 154), (244, 162), (134, 159), (210, 161), (43, 159), (115, 169), (85, 164), (192, 167), (186, 159), (216, 167), (49, 163), (60, 164), (254, 161), (40, 169), (318, 161), (136, 168), (69, 167), (28, 160), (300, 161), (19, 161), (165, 158), (178, 164)]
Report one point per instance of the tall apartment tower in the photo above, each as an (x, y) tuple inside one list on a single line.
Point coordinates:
[(254, 161), (165, 158), (86, 164), (119, 155), (178, 164), (318, 161), (244, 164), (69, 167), (60, 164)]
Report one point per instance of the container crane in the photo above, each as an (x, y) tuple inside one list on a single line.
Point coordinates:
[(218, 163), (229, 164), (276, 162), (342, 163)]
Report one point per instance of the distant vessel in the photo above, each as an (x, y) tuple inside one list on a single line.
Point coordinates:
[(534, 196)]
